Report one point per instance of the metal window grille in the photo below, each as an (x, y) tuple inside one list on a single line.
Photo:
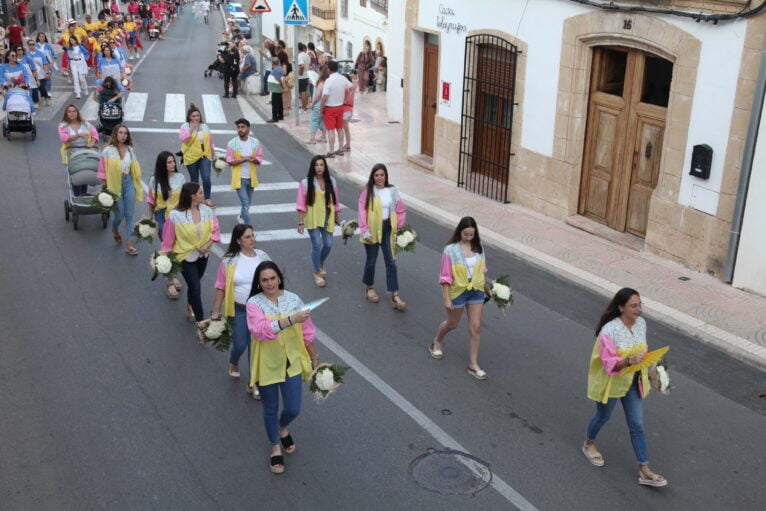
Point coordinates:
[(344, 8), (489, 85)]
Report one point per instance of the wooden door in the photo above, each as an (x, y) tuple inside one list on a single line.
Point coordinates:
[(623, 139), (430, 88)]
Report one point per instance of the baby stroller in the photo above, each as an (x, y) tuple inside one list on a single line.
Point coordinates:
[(216, 66), (152, 28), (82, 170), (18, 104), (109, 116)]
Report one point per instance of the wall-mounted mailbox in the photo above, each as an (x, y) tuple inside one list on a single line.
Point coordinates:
[(702, 158)]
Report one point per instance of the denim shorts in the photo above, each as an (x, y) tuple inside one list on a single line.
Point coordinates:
[(467, 297)]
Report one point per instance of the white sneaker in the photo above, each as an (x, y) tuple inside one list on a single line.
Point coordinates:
[(239, 219), (77, 96)]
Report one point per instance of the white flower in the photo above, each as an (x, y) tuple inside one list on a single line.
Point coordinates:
[(128, 70), (664, 378), (105, 200), (146, 231), (501, 291), (220, 164), (325, 379), (215, 329), (163, 264), (404, 239)]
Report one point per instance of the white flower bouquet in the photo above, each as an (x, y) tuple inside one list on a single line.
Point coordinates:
[(219, 165), (659, 377), (145, 229), (406, 238), (215, 333), (348, 229), (325, 380), (165, 265), (105, 201), (501, 292)]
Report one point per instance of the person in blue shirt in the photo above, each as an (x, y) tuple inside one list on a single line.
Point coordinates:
[(43, 65), (14, 77)]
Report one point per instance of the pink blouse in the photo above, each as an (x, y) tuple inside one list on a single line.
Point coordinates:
[(263, 328), (300, 201)]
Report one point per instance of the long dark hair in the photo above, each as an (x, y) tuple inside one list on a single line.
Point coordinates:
[(234, 246), (265, 265), (465, 223), (161, 176), (613, 309), (371, 183), (329, 189), (185, 200)]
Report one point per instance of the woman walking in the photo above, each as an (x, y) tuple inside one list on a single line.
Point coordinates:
[(120, 172), (108, 65), (162, 198), (76, 134), (381, 215), (317, 119), (77, 58), (318, 207), (276, 314), (232, 290), (197, 148), (189, 233), (463, 287), (620, 343), (364, 61)]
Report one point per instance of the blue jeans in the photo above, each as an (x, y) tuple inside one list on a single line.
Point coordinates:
[(45, 87), (240, 334), (392, 282), (265, 84), (291, 405), (201, 166), (245, 194), (159, 217), (192, 273), (126, 206), (632, 404), (321, 243)]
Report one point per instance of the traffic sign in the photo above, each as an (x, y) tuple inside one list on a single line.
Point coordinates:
[(296, 12), (260, 6)]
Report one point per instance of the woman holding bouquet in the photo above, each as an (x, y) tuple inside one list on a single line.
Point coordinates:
[(381, 214), (189, 233), (620, 343), (283, 354), (120, 172), (197, 148), (463, 287), (318, 206), (232, 289), (162, 198)]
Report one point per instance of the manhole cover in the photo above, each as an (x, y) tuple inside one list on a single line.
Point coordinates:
[(450, 472)]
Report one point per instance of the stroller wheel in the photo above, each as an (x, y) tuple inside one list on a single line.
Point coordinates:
[(75, 220), (104, 219), (34, 132), (66, 210)]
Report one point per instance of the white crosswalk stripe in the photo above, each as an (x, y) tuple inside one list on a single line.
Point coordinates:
[(89, 110), (285, 207), (175, 108), (135, 107), (213, 107), (278, 235)]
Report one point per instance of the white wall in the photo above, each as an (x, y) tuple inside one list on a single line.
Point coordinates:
[(539, 23), (395, 62), (750, 271), (416, 92)]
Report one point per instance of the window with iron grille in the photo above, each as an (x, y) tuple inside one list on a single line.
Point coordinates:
[(344, 8), (380, 5), (486, 124)]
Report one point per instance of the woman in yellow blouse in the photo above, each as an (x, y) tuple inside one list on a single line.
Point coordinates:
[(197, 148), (283, 354)]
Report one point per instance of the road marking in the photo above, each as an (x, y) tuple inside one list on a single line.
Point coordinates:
[(263, 187), (249, 112), (285, 207), (419, 417), (279, 235), (175, 130), (175, 108), (213, 107), (89, 110), (135, 106), (143, 57)]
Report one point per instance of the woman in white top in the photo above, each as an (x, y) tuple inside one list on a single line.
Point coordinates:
[(232, 289)]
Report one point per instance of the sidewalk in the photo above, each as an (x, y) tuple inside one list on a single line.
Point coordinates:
[(718, 314)]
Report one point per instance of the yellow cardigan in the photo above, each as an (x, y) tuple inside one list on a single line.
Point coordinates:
[(110, 171)]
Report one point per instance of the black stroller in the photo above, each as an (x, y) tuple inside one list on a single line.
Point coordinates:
[(19, 117), (217, 65), (109, 116)]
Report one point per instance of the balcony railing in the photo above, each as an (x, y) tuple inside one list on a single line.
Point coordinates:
[(325, 14)]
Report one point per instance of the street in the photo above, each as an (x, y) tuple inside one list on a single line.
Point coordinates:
[(107, 401)]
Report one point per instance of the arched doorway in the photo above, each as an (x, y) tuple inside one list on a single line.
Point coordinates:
[(627, 110)]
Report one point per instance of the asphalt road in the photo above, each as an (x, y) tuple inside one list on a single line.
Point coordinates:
[(108, 402)]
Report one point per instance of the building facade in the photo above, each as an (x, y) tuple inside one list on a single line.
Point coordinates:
[(621, 122)]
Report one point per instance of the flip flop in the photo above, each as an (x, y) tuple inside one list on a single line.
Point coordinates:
[(287, 443), (437, 354), (596, 459), (277, 463)]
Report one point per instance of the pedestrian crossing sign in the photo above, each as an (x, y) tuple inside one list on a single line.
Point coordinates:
[(260, 6), (296, 12)]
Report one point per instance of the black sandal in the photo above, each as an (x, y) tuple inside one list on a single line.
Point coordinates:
[(276, 462), (288, 444)]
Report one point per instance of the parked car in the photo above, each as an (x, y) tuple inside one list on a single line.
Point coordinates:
[(244, 28), (234, 7), (345, 66)]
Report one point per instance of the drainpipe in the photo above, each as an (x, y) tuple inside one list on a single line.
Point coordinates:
[(745, 171)]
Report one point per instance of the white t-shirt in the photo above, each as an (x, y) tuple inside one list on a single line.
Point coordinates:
[(305, 59), (247, 150), (125, 162), (470, 262), (385, 200), (335, 89), (244, 273)]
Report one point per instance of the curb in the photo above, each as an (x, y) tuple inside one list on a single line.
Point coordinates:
[(738, 347)]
